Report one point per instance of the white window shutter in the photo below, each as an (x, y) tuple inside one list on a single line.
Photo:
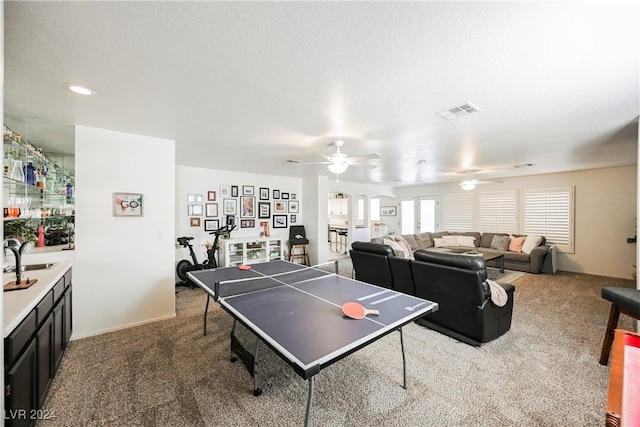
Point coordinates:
[(457, 212), (499, 211), (548, 212)]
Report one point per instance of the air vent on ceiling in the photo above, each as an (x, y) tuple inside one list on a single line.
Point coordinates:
[(459, 111)]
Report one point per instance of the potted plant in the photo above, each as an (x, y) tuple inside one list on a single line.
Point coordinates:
[(20, 229)]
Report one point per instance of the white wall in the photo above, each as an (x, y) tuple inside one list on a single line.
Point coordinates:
[(605, 215), (124, 272), (191, 180)]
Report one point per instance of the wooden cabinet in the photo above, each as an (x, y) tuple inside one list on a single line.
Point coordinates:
[(33, 352), (339, 206)]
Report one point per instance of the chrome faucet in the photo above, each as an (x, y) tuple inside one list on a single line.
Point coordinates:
[(17, 253)]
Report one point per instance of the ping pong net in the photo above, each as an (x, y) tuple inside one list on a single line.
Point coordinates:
[(261, 282)]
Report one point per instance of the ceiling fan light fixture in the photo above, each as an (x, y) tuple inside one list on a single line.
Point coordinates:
[(468, 185), (338, 167), (79, 89)]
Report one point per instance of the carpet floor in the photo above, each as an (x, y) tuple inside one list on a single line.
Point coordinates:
[(543, 372)]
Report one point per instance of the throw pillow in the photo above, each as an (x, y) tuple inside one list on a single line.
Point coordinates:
[(450, 240), (406, 248), (500, 243), (515, 245), (397, 249), (530, 243), (438, 242), (467, 241)]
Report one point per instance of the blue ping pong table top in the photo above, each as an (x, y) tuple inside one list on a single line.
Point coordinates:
[(304, 322)]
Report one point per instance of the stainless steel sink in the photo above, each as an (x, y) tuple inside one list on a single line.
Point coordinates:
[(31, 267)]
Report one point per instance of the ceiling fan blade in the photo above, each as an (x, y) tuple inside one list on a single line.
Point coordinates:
[(364, 157), (363, 165)]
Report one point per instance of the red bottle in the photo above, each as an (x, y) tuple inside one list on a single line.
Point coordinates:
[(40, 242)]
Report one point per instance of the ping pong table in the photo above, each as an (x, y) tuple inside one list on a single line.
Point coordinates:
[(297, 312)]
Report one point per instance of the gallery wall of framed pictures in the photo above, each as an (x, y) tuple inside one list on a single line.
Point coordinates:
[(248, 203)]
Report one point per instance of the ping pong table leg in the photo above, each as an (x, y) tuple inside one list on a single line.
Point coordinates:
[(206, 310), (309, 402), (404, 362), (257, 391)]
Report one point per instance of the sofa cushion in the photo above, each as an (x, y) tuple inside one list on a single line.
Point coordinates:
[(530, 243), (411, 240), (500, 243), (438, 242), (487, 238), (467, 241), (515, 245), (450, 241), (424, 240)]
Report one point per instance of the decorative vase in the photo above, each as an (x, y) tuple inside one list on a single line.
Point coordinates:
[(17, 173), (69, 191)]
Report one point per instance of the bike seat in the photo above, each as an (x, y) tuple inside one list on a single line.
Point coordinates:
[(184, 240)]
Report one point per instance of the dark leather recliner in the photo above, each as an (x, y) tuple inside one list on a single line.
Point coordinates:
[(458, 284), (370, 263)]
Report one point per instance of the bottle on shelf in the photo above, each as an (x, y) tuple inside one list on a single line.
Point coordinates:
[(17, 174), (30, 174)]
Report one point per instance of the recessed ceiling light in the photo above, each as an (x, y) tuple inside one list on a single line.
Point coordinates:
[(79, 89)]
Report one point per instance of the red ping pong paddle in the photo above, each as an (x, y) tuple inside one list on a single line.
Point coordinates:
[(356, 310), (244, 267)]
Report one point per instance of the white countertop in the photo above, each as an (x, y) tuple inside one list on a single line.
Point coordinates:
[(18, 304)]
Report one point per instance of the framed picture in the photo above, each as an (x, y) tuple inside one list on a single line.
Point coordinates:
[(229, 206), (194, 210), (294, 207), (225, 191), (211, 209), (293, 219), (247, 223), (280, 207), (211, 196), (230, 220), (387, 211), (211, 224), (294, 196), (194, 198), (264, 193), (284, 196), (264, 210), (247, 190), (127, 204), (234, 191), (194, 222), (279, 221), (276, 194), (248, 207)]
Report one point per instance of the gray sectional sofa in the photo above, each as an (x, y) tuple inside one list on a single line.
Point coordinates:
[(528, 262)]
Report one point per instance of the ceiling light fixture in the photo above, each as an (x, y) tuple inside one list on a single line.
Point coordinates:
[(468, 185), (79, 89)]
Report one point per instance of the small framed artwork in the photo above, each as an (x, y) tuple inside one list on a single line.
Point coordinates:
[(247, 190), (211, 224), (225, 191), (285, 196), (293, 219), (211, 196), (230, 220), (194, 198), (247, 223), (294, 196), (280, 207), (248, 207), (264, 210), (127, 204), (387, 211), (211, 209), (194, 210), (264, 193), (279, 221), (276, 194), (194, 222), (229, 206), (294, 207), (234, 191)]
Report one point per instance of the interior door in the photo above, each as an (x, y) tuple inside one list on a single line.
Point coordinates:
[(408, 216), (427, 214)]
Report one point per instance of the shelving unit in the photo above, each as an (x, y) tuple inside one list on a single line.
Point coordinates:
[(250, 250)]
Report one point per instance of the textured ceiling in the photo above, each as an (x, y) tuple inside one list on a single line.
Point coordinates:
[(247, 85)]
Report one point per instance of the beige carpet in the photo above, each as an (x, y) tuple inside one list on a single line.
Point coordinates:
[(543, 372)]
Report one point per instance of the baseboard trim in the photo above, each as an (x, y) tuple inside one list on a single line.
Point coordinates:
[(75, 336)]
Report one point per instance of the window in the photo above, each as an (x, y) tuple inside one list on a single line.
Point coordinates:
[(457, 212), (548, 212), (498, 211), (360, 210), (375, 210), (407, 216)]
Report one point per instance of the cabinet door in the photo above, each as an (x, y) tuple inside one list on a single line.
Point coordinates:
[(44, 339), (68, 316), (58, 333), (20, 401)]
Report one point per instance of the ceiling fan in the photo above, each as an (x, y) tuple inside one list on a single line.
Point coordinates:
[(469, 184), (338, 162)]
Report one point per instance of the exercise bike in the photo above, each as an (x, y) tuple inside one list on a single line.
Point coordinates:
[(185, 266)]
